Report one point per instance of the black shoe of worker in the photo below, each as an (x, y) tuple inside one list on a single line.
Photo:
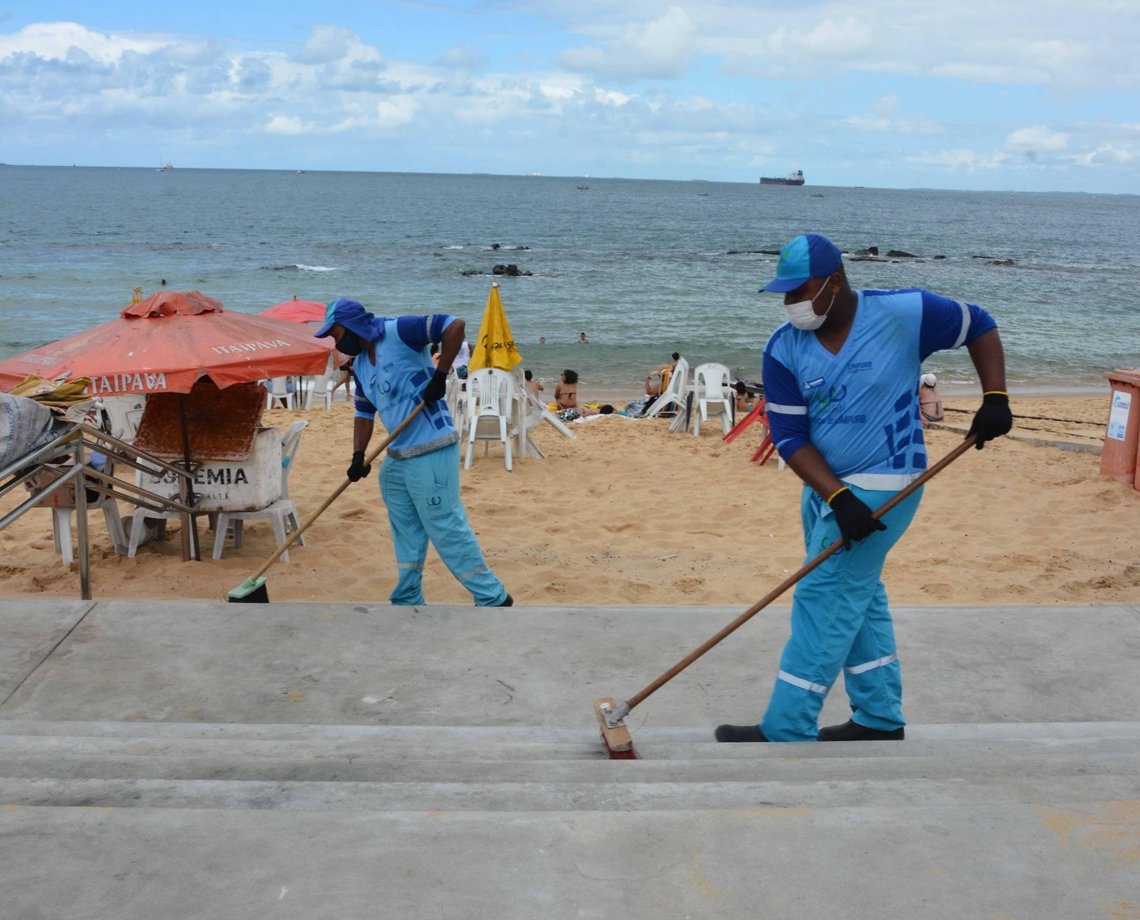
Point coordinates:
[(509, 602), (853, 731), (739, 733)]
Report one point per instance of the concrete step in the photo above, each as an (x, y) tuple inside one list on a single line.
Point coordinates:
[(456, 768)]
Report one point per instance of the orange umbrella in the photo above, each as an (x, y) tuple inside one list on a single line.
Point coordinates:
[(297, 311), (166, 342)]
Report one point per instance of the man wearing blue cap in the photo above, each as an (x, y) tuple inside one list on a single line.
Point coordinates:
[(839, 383), (419, 480)]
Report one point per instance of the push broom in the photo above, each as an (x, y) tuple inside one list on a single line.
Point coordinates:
[(611, 716), (253, 590)]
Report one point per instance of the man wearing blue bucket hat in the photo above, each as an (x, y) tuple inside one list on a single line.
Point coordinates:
[(419, 480), (839, 383)]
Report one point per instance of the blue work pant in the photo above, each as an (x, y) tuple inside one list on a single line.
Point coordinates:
[(840, 620), (422, 497)]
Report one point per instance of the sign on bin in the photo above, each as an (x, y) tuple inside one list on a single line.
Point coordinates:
[(1118, 415), (232, 485)]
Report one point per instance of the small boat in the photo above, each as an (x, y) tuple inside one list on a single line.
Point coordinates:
[(793, 178)]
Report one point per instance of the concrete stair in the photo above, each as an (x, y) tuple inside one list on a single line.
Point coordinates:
[(303, 762), (472, 769)]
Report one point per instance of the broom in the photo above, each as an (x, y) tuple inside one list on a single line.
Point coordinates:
[(611, 716), (253, 590)]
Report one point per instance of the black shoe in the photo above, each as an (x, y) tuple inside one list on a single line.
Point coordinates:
[(739, 733), (509, 602), (853, 731)]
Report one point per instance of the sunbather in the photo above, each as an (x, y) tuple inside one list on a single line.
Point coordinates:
[(656, 381), (566, 398)]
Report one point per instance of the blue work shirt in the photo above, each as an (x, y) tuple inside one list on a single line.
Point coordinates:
[(394, 385)]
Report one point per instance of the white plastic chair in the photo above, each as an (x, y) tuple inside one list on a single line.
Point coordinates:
[(490, 401), (141, 516), (281, 513), (319, 388), (124, 414), (61, 525), (674, 394), (712, 383), (456, 399), (279, 392)]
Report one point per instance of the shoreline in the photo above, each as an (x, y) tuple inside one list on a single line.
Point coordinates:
[(949, 391)]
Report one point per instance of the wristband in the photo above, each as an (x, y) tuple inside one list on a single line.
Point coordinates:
[(836, 492)]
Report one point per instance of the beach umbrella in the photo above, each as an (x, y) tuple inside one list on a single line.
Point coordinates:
[(167, 341), (297, 311), (495, 345)]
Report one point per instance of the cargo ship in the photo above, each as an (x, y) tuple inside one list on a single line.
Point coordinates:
[(795, 178)]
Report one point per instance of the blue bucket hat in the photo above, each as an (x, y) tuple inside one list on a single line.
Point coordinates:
[(807, 256), (352, 315)]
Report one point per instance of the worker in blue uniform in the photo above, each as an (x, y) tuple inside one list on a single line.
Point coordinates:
[(839, 383), (419, 479)]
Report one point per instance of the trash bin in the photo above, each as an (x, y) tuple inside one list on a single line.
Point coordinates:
[(1118, 460)]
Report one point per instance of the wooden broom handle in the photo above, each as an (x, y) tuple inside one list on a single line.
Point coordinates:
[(795, 577), (335, 495)]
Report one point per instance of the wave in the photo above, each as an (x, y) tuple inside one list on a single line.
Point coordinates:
[(299, 267)]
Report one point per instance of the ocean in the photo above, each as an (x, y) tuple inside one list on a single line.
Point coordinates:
[(644, 268)]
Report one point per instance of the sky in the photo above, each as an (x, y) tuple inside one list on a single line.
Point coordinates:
[(970, 94)]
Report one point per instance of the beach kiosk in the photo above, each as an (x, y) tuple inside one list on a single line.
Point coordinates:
[(1118, 460)]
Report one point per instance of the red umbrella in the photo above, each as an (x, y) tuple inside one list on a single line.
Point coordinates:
[(297, 311), (166, 342)]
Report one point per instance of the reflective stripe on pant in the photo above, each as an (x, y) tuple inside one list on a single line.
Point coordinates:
[(422, 497), (840, 619)]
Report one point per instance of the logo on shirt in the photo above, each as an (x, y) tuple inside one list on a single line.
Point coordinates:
[(812, 384), (860, 365), (832, 399)]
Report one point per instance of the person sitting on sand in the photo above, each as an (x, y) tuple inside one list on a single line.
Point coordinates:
[(533, 385), (566, 398), (744, 400), (929, 400), (566, 392)]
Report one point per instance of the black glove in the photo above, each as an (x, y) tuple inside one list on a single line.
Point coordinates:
[(436, 388), (993, 419), (853, 517), (359, 468)]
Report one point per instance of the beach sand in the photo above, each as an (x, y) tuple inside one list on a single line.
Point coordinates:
[(632, 514)]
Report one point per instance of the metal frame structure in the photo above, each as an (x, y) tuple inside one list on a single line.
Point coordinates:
[(70, 448)]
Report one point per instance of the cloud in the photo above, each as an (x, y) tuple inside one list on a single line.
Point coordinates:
[(334, 44), (658, 49), (1041, 43), (885, 118), (1036, 142), (61, 41), (285, 124), (730, 83), (461, 57)]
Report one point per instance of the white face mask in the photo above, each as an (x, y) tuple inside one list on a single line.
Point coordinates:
[(802, 315)]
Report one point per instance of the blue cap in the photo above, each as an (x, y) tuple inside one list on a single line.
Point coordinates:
[(348, 313), (807, 256)]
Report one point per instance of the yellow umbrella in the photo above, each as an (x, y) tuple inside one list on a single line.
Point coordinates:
[(495, 346)]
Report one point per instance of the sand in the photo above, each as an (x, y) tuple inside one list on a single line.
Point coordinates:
[(632, 514)]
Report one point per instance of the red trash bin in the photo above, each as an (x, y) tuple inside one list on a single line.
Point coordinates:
[(1118, 460)]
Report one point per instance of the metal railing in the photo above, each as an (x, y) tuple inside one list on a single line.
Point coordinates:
[(62, 464)]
